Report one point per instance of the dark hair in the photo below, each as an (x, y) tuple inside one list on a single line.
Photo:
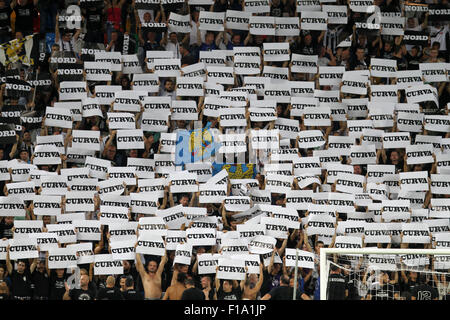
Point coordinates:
[(189, 282), (334, 267), (181, 277), (129, 282), (285, 279)]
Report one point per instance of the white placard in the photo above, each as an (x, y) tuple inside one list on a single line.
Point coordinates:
[(25, 248), (313, 20), (60, 258), (183, 253), (58, 117), (300, 258), (150, 244), (105, 265), (262, 25), (212, 21)]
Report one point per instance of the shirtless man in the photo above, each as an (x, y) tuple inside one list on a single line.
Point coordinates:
[(250, 292), (151, 280), (175, 291)]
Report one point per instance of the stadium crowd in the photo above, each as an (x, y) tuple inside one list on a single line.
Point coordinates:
[(139, 110)]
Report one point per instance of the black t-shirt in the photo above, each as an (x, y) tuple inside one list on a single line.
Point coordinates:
[(284, 293), (41, 284), (109, 294), (57, 287), (386, 292), (94, 19), (21, 284), (5, 20), (188, 59), (402, 63), (408, 286), (80, 294), (5, 230), (337, 284), (193, 294), (424, 292), (24, 17), (131, 295), (352, 289), (235, 294), (277, 11)]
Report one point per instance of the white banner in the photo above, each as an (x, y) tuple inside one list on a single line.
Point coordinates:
[(105, 265)]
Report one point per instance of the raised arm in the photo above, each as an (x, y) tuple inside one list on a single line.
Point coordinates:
[(161, 265)]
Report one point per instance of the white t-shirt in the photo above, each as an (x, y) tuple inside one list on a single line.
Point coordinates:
[(67, 45), (175, 48), (438, 35)]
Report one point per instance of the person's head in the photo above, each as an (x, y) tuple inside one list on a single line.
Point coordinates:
[(360, 53), (125, 82), (227, 285), (205, 282), (3, 286), (24, 155), (319, 245), (184, 200), (308, 38), (181, 277), (284, 280), (252, 279), (413, 275), (236, 39), (60, 272), (276, 268), (133, 153), (184, 49), (152, 266), (9, 220), (357, 169), (151, 36), (183, 268), (147, 17), (46, 220), (436, 45), (169, 85), (384, 277), (115, 35), (434, 53), (345, 55), (2, 153), (173, 37), (111, 152), (55, 48), (209, 38), (67, 36), (394, 157), (110, 282), (19, 35), (2, 4), (387, 46), (2, 271), (335, 269), (129, 282), (21, 266), (414, 51), (362, 39), (41, 266), (189, 283), (195, 15), (122, 282), (84, 281)]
